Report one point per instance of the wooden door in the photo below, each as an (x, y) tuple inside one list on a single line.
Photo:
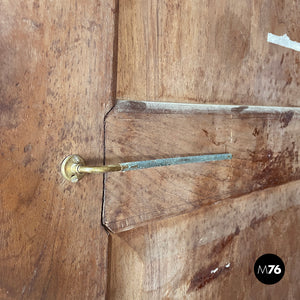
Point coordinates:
[(192, 77), (200, 77), (56, 85)]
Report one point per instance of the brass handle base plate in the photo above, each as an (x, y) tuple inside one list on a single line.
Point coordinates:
[(69, 167)]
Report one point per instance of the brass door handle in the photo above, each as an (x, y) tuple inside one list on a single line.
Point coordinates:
[(73, 167)]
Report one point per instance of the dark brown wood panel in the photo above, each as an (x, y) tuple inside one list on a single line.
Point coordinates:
[(210, 253), (264, 143), (56, 84), (205, 51)]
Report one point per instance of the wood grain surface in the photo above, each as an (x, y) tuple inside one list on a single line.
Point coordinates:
[(210, 253), (195, 231), (264, 143), (56, 83), (205, 51)]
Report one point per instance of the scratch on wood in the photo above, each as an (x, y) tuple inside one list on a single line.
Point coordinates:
[(206, 275), (224, 242)]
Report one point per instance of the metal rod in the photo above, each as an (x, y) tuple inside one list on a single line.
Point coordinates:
[(145, 164), (73, 167)]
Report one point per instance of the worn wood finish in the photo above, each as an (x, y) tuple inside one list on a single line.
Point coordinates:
[(264, 144), (212, 52), (56, 80), (174, 258), (208, 52)]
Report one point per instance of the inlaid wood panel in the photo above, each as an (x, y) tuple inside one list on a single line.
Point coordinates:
[(204, 51), (210, 253), (56, 84), (264, 143)]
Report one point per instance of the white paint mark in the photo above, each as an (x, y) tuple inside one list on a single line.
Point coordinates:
[(227, 266), (214, 271), (24, 289), (283, 41)]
